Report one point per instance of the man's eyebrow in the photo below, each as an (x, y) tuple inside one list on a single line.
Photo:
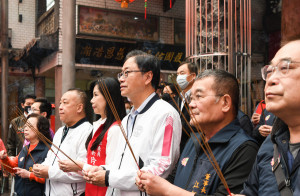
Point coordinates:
[(282, 59), (198, 90)]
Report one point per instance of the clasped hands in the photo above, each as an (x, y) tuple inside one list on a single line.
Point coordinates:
[(94, 174), (40, 171)]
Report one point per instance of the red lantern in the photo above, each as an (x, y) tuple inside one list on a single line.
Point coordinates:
[(124, 3)]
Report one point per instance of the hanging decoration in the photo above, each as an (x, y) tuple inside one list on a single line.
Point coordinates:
[(145, 9), (168, 4), (124, 3)]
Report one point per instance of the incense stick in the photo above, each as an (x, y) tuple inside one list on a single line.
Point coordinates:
[(5, 165), (115, 113)]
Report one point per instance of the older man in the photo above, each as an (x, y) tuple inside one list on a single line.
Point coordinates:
[(214, 106), (152, 127), (278, 159), (71, 140)]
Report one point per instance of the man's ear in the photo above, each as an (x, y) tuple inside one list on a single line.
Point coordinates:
[(226, 103), (194, 75), (79, 108), (22, 105), (149, 77)]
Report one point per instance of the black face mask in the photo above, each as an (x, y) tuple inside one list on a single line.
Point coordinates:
[(27, 108), (166, 97)]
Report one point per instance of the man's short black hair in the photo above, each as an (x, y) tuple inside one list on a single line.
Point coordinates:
[(28, 97), (45, 106), (193, 68), (147, 62)]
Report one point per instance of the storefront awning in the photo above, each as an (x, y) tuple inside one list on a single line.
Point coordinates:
[(32, 54)]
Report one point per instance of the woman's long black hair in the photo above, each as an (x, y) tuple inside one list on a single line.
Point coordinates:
[(113, 87), (43, 125)]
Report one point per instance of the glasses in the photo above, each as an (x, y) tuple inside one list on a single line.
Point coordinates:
[(125, 73), (282, 67), (33, 110)]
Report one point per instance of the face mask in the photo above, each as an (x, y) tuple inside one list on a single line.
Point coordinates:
[(27, 109), (30, 112), (182, 82), (166, 97), (127, 111)]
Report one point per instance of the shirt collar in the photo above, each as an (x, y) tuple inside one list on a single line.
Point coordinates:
[(185, 95), (226, 133), (135, 112), (78, 123), (99, 122)]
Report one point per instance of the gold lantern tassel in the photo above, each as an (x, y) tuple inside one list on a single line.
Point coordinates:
[(124, 4)]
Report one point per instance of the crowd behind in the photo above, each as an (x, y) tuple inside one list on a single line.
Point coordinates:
[(183, 138)]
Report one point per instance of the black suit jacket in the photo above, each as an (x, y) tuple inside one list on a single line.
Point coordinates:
[(185, 123)]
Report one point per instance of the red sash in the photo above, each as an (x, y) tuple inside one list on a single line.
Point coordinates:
[(97, 157)]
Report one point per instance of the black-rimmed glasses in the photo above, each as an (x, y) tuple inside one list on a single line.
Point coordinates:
[(125, 73)]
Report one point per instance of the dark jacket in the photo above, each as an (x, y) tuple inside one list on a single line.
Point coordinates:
[(185, 119), (233, 149), (24, 186), (261, 180), (15, 132), (266, 118), (245, 122)]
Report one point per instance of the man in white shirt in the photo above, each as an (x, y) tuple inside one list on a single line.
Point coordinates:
[(153, 129), (71, 140)]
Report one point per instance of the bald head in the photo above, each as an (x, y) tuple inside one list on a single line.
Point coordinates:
[(72, 106)]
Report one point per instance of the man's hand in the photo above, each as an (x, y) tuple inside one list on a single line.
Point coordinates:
[(154, 185), (92, 169), (3, 154), (95, 176), (23, 173), (68, 166), (138, 181), (40, 171), (255, 118), (265, 130)]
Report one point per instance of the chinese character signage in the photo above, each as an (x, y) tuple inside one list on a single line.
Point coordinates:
[(122, 25), (113, 53)]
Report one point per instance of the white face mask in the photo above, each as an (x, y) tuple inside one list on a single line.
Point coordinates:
[(182, 82)]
